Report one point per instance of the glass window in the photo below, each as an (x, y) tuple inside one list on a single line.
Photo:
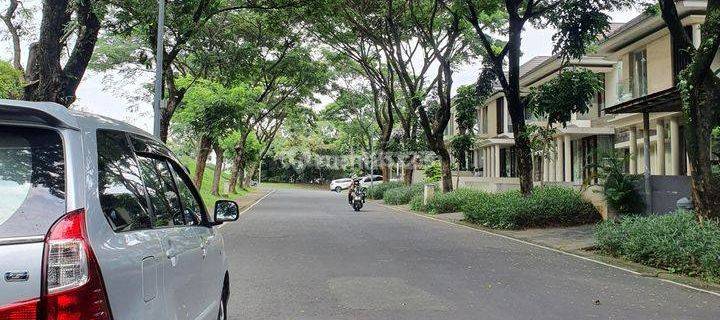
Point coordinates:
[(638, 73), (164, 198), (32, 180), (500, 123), (192, 205), (122, 193)]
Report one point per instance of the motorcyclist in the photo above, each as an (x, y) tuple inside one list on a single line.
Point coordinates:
[(355, 184)]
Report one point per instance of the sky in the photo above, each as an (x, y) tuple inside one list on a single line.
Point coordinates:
[(99, 93)]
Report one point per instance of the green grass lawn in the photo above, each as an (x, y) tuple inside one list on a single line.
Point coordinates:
[(207, 181)]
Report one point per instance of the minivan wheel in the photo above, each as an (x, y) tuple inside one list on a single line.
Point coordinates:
[(338, 189)]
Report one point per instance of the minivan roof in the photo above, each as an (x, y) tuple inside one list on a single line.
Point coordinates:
[(53, 114)]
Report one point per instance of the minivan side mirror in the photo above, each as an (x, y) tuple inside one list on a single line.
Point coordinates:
[(226, 211)]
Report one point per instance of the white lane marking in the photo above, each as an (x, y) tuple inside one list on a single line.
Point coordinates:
[(553, 249), (251, 206)]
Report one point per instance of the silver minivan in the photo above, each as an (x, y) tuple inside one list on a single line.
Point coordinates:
[(98, 220)]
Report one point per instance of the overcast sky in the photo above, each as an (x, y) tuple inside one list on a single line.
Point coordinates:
[(98, 95)]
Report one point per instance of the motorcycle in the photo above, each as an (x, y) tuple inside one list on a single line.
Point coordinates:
[(358, 198)]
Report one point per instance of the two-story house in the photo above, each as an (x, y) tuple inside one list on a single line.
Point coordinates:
[(639, 67), (644, 81), (576, 143)]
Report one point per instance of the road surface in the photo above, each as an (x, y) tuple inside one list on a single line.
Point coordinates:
[(303, 254)]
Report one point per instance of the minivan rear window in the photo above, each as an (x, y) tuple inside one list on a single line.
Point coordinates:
[(32, 180)]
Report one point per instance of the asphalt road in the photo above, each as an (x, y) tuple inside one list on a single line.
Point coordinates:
[(303, 254)]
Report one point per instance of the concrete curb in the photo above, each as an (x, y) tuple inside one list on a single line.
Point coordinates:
[(542, 246)]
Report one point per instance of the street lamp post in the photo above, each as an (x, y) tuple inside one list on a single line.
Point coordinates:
[(159, 53)]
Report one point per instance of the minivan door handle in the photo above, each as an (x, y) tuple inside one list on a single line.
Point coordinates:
[(171, 252)]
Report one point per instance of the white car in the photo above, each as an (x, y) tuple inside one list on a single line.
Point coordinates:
[(338, 185), (99, 220), (366, 181)]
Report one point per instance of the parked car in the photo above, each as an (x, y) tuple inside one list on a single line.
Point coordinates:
[(366, 181), (338, 185), (98, 220)]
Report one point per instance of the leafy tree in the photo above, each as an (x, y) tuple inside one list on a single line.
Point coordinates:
[(11, 85), (210, 111), (360, 57), (466, 104), (352, 115), (700, 91), (579, 23), (415, 37), (558, 99), (189, 26)]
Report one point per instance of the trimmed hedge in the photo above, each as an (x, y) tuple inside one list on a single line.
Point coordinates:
[(402, 195), (454, 201), (376, 192), (675, 242), (547, 206)]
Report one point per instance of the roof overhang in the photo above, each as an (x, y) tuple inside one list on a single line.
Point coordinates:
[(551, 66), (667, 100), (646, 24), (586, 131), (496, 141)]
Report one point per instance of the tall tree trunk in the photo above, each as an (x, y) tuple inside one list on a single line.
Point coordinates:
[(47, 79), (238, 166), (384, 166), (237, 174), (700, 92), (219, 158), (251, 170), (516, 109), (446, 166), (201, 160), (174, 99)]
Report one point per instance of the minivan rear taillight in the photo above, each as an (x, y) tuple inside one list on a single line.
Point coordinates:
[(20, 311), (73, 285)]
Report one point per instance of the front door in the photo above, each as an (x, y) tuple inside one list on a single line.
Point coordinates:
[(211, 273), (182, 260)]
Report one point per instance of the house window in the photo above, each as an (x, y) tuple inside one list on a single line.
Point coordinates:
[(600, 97), (507, 162), (638, 73), (485, 120), (500, 102)]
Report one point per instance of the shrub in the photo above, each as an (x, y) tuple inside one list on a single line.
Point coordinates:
[(547, 206), (11, 86), (618, 187), (561, 206), (433, 172), (402, 195), (675, 242), (416, 203), (453, 201), (377, 191)]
